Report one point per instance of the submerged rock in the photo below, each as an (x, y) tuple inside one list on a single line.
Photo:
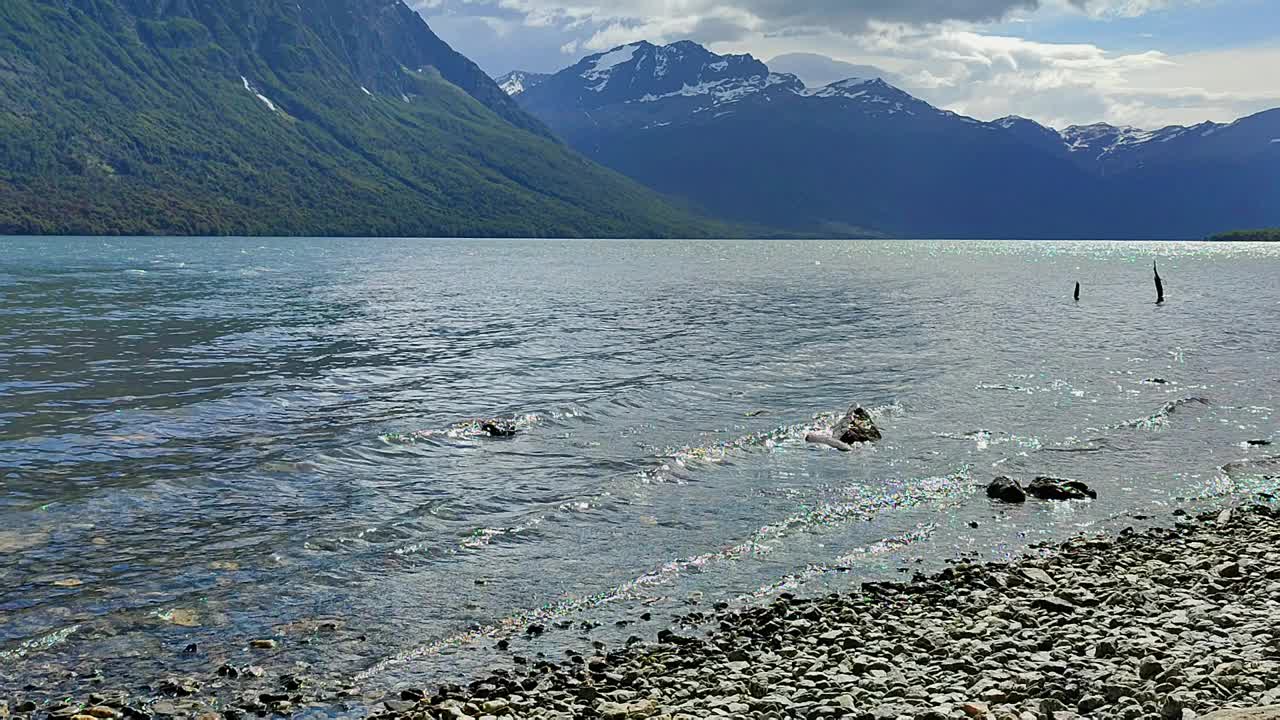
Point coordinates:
[(1051, 488), (1006, 489), (820, 439)]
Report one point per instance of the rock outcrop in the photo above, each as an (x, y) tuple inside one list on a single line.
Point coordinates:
[(1006, 489), (1051, 488)]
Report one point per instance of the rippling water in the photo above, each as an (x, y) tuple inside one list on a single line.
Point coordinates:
[(215, 440)]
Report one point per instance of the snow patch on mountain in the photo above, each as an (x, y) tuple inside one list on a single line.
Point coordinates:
[(878, 96), (518, 82), (249, 86), (1103, 140), (851, 88), (513, 85), (726, 90), (602, 68)]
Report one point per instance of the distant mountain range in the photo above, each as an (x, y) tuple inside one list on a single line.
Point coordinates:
[(856, 155), (343, 117), (816, 70)]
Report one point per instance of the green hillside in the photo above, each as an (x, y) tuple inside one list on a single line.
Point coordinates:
[(1264, 235), (325, 117)]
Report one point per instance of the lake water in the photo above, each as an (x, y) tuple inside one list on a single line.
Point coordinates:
[(209, 441)]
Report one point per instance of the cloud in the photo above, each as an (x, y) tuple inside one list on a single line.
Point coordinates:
[(945, 52), (748, 15), (1059, 84)]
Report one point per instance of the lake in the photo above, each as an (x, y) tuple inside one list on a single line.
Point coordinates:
[(208, 441)]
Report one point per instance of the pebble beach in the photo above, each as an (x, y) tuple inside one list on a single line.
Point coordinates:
[(1172, 623)]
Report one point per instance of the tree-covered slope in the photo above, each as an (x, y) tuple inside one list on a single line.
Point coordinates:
[(343, 117), (1261, 235)]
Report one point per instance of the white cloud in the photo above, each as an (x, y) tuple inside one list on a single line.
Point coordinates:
[(939, 48), (989, 76)]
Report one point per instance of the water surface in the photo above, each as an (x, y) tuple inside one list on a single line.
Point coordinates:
[(208, 441)]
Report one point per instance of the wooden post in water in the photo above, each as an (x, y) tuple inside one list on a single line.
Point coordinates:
[(1159, 285)]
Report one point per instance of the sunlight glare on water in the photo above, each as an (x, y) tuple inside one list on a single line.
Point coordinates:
[(215, 440)]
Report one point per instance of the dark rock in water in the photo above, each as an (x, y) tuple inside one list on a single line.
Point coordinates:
[(1007, 490), (499, 428), (178, 686), (1050, 488), (856, 427)]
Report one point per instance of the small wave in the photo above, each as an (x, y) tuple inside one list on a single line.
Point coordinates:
[(1093, 445), (1266, 468), (1159, 418), (862, 504), (843, 564), (469, 429), (1004, 387), (675, 460), (43, 642), (985, 439)]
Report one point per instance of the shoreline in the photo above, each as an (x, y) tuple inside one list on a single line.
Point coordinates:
[(1168, 622)]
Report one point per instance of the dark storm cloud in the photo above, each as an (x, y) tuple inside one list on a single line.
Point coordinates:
[(853, 15), (845, 15), (548, 34)]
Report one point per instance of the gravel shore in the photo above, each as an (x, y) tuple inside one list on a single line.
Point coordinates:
[(1167, 623)]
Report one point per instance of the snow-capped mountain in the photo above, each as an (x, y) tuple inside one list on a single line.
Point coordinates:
[(1100, 140), (695, 80), (518, 81), (646, 73), (729, 135)]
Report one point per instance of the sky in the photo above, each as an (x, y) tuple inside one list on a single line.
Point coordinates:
[(1145, 63)]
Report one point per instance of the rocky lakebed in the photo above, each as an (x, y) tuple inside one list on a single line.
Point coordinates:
[(1173, 622)]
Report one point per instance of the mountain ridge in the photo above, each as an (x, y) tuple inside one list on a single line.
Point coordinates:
[(331, 117), (749, 144)]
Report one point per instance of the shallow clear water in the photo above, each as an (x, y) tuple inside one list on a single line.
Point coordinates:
[(215, 440)]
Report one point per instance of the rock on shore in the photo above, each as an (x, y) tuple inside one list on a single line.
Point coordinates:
[(1168, 623)]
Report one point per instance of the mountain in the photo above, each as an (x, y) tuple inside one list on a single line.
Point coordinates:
[(343, 117), (517, 81), (744, 142), (817, 70)]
